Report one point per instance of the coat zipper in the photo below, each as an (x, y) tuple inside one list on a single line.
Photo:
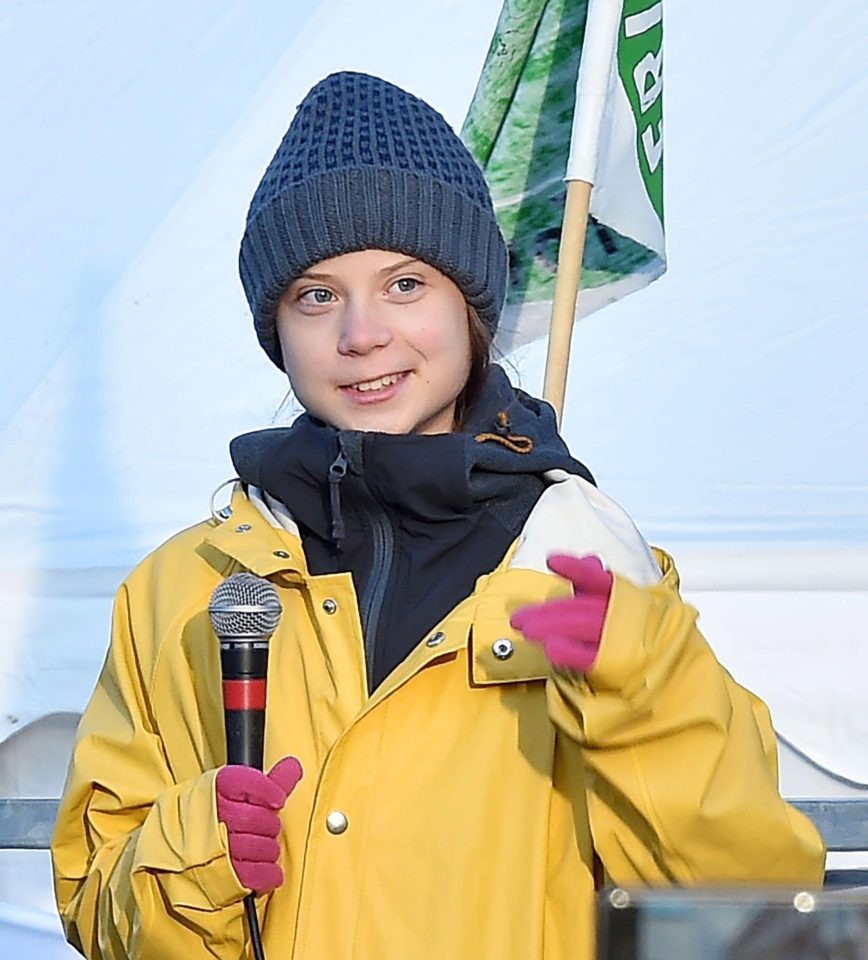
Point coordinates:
[(374, 594)]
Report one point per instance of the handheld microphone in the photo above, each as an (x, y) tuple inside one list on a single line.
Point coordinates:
[(244, 611)]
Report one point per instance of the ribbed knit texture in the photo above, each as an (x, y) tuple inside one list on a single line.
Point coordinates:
[(366, 165)]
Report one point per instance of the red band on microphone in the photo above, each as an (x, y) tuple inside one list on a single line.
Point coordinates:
[(243, 694)]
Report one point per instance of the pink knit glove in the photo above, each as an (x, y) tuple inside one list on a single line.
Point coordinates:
[(570, 630), (248, 802)]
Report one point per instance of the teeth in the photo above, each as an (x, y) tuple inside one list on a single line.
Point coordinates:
[(376, 384)]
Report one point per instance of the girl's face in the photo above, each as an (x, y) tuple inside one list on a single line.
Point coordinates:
[(376, 340)]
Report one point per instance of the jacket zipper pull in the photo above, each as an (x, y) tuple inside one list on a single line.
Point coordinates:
[(337, 472)]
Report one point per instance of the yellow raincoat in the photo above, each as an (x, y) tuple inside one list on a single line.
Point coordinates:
[(469, 808)]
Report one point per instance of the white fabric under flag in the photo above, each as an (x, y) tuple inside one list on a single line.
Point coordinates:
[(573, 89)]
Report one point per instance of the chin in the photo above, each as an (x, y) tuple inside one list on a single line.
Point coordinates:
[(369, 424), (399, 420), (387, 426)]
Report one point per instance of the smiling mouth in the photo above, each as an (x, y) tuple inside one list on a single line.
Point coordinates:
[(380, 383)]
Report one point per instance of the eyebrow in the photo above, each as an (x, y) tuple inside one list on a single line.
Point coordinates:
[(311, 275), (399, 265)]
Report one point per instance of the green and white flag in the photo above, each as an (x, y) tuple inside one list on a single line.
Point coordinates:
[(529, 135)]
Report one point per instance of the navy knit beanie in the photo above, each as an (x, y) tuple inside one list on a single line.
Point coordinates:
[(366, 165)]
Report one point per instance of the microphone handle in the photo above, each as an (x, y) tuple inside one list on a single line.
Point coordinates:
[(244, 665), (245, 733)]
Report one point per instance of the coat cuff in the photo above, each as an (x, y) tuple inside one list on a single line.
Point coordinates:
[(186, 846), (643, 641)]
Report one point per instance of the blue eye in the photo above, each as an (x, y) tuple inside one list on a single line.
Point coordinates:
[(317, 295), (406, 284)]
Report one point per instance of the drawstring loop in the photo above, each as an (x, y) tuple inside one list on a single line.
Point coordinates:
[(337, 472), (502, 435)]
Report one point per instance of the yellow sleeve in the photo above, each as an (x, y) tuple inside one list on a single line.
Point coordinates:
[(681, 761), (141, 865)]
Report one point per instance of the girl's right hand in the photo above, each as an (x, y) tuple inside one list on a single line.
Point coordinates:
[(248, 802)]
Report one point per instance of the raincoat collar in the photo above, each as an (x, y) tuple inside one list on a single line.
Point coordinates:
[(244, 533)]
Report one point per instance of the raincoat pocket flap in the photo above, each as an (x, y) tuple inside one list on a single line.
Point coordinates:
[(499, 654)]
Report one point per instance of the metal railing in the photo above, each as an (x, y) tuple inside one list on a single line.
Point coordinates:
[(27, 824), (843, 823)]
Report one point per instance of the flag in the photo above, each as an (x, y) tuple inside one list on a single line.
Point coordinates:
[(519, 126)]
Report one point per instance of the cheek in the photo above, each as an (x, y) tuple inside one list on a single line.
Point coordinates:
[(456, 351), (301, 365), (303, 352), (309, 387), (448, 341)]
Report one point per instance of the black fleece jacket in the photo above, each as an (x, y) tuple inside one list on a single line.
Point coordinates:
[(415, 519)]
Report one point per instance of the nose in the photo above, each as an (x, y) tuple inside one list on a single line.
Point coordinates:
[(362, 330)]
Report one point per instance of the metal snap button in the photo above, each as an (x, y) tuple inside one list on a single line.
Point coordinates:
[(330, 606), (336, 822), (620, 899), (435, 639), (243, 528), (502, 649), (282, 554), (804, 902)]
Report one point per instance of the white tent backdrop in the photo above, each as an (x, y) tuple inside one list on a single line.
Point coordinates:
[(725, 407)]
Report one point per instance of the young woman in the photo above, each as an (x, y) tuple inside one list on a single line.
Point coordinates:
[(495, 694)]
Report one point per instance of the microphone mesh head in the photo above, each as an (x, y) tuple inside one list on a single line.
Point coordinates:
[(244, 606)]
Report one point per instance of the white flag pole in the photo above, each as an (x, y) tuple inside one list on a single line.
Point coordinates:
[(592, 90)]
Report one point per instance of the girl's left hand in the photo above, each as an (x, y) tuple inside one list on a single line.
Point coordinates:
[(570, 630)]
